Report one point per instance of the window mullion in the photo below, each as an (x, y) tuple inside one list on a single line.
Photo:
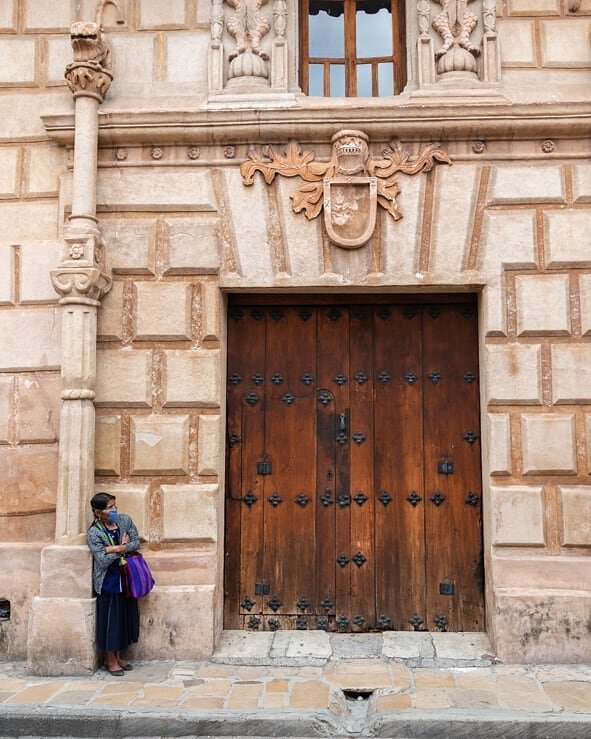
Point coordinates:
[(350, 48)]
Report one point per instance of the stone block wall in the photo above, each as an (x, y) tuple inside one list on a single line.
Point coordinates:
[(509, 220)]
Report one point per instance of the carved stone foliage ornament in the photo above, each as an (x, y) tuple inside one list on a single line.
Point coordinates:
[(90, 72), (348, 187)]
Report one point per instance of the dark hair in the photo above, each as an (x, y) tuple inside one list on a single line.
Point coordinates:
[(100, 501)]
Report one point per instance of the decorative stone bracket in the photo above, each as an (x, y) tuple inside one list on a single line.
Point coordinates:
[(349, 186)]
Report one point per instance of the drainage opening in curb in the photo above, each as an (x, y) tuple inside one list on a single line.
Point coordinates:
[(358, 695)]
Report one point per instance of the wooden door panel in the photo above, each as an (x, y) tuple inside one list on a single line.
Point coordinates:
[(244, 493), (361, 444), (353, 525), (290, 444), (453, 526), (332, 365), (399, 523)]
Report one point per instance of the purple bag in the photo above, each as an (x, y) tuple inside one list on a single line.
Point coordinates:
[(137, 578)]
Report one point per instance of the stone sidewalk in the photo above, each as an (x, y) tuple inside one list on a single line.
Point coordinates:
[(310, 684)]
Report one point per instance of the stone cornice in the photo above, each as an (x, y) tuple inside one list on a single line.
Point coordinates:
[(445, 121)]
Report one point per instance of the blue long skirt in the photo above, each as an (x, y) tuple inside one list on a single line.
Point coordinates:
[(117, 622)]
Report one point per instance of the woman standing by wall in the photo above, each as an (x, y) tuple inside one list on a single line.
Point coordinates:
[(111, 536)]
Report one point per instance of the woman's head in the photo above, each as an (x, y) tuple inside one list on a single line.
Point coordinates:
[(101, 503)]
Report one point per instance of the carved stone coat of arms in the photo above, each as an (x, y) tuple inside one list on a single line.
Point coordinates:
[(348, 187)]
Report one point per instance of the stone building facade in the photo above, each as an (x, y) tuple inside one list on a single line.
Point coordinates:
[(126, 225)]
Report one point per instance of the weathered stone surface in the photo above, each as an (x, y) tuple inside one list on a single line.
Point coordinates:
[(518, 42), (193, 246), (38, 410), (211, 312), (184, 567), (123, 378), (164, 14), (28, 221), (189, 512), (159, 445), (548, 443), (66, 572), (499, 443), (6, 408), (133, 500), (8, 171), (7, 274), (107, 445), (163, 311), (518, 515), (71, 648), (133, 56), (533, 7), (19, 583), (585, 301), (508, 239), (537, 626), (565, 43), (45, 164), (42, 17), (576, 515), (571, 373), (184, 52), (18, 61), (42, 348), (177, 623), (209, 449), (110, 314), (452, 226), (560, 572), (526, 184), (130, 244), (513, 374), (568, 241), (8, 15), (192, 378), (582, 182), (163, 189), (28, 480), (59, 54), (543, 304), (302, 239), (37, 260)]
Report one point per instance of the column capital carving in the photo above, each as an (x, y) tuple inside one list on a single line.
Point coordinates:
[(89, 75), (84, 285)]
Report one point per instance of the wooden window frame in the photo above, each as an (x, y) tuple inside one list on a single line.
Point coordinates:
[(350, 60)]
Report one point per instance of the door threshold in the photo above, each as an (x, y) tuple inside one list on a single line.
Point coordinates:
[(316, 648)]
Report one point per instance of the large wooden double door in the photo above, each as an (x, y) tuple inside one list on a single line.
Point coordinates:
[(353, 493)]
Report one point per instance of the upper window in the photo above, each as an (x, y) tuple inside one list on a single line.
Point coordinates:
[(352, 47)]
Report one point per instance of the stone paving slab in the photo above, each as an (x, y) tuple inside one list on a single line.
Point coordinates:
[(357, 696)]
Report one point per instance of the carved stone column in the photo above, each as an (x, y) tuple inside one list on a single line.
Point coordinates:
[(81, 280)]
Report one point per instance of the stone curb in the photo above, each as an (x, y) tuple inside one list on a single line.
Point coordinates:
[(87, 723), (93, 723)]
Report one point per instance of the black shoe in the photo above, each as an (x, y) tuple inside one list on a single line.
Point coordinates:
[(116, 673), (127, 667)]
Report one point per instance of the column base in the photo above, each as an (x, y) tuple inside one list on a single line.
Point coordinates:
[(62, 637)]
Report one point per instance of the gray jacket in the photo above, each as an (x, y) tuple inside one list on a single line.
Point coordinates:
[(98, 540)]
